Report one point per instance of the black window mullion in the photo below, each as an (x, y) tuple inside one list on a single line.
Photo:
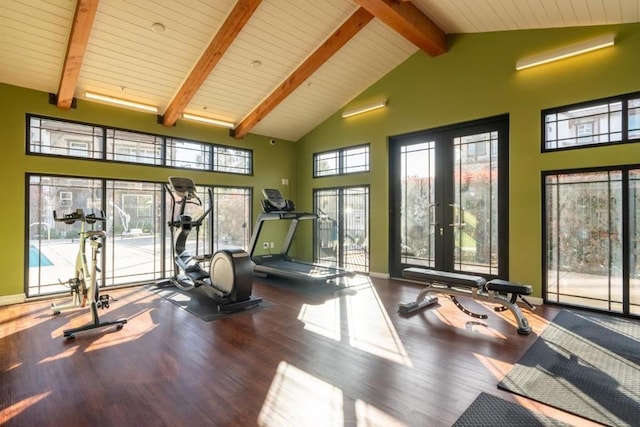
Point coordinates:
[(626, 242), (625, 119)]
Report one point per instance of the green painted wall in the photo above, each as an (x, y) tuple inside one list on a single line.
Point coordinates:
[(477, 79), (14, 163)]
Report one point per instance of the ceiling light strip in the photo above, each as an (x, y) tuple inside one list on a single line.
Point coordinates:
[(120, 101), (364, 108), (208, 120), (566, 52)]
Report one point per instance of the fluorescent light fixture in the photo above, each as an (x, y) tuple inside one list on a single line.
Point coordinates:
[(208, 120), (566, 52), (119, 101), (364, 108)]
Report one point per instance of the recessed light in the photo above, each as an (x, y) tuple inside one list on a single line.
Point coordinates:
[(256, 64), (157, 27)]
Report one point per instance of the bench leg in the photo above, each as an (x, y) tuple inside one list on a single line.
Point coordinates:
[(424, 299), (523, 324)]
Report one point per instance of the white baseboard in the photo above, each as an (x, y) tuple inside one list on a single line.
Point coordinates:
[(534, 300), (379, 275), (12, 299)]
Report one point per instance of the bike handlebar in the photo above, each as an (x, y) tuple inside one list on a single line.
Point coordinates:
[(79, 215)]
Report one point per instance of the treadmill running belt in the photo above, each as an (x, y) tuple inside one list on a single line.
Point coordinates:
[(298, 268)]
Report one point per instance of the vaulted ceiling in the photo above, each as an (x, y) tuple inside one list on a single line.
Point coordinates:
[(273, 67)]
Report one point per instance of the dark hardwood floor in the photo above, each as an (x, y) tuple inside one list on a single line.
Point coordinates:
[(314, 355)]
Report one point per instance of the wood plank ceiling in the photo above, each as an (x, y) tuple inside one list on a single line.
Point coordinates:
[(275, 67)]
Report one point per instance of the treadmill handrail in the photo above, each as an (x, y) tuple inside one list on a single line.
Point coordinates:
[(281, 264), (267, 216)]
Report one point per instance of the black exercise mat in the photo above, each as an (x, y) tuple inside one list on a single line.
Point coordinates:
[(586, 364), (198, 303), (491, 411)]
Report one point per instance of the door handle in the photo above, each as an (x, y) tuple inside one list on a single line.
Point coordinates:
[(459, 223), (432, 212)]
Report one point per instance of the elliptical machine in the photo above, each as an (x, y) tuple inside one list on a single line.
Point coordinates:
[(229, 280)]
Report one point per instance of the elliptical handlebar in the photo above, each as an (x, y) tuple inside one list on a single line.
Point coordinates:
[(183, 192), (79, 215), (186, 201)]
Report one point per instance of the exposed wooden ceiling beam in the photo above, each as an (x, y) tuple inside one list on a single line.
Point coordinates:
[(331, 45), (239, 16), (76, 47), (407, 20)]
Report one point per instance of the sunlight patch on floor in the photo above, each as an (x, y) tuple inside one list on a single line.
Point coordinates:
[(14, 410), (297, 398), (63, 354), (106, 336), (322, 319), (130, 332), (371, 329), (370, 416), (496, 367), (12, 367), (357, 316), (12, 326)]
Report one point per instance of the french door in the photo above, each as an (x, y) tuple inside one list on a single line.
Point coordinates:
[(448, 205)]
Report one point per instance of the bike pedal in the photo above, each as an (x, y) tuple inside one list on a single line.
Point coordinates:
[(103, 301)]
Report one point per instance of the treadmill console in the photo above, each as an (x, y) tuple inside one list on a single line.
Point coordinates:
[(274, 201)]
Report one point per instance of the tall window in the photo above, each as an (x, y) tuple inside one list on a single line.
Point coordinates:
[(231, 215), (592, 238), (342, 228), (137, 234), (133, 252)]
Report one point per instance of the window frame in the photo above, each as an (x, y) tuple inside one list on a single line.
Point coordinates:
[(628, 103), (109, 196), (161, 145), (623, 236), (342, 167)]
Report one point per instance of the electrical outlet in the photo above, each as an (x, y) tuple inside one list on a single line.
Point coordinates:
[(265, 245)]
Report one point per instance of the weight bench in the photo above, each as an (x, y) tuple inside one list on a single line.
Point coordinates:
[(455, 285)]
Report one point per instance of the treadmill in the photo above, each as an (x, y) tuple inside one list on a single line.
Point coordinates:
[(276, 208)]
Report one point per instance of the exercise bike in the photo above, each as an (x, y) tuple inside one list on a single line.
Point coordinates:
[(229, 280), (84, 285)]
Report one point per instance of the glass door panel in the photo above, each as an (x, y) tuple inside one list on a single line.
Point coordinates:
[(418, 208), (475, 203)]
